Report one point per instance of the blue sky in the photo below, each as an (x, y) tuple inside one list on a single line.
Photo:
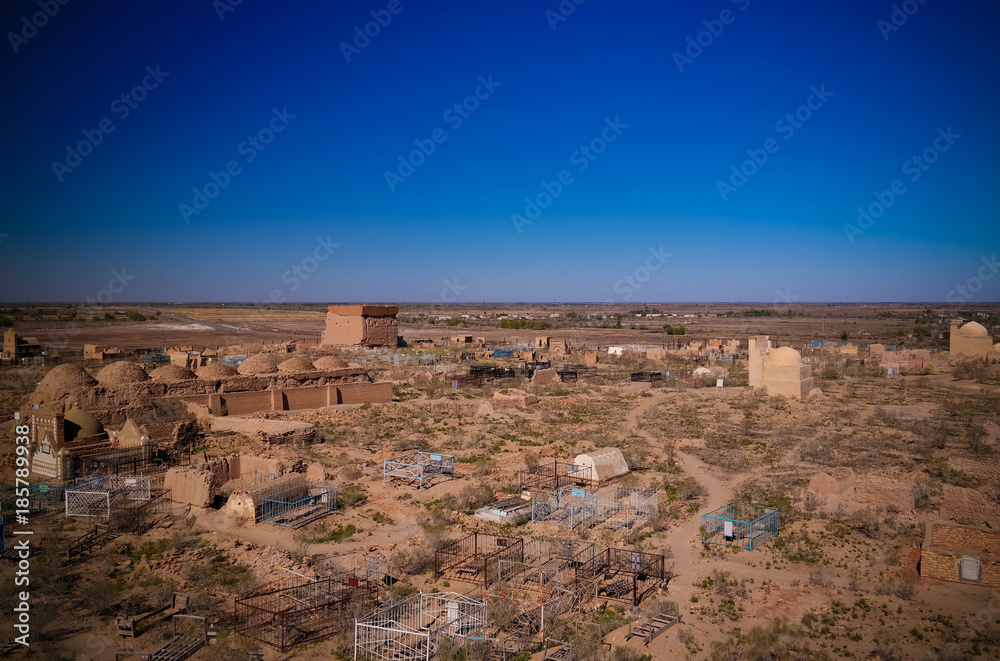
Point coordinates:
[(458, 214)]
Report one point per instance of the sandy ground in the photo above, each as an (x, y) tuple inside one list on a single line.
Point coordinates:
[(576, 417)]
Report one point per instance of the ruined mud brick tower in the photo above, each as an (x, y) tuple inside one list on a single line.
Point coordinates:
[(360, 326)]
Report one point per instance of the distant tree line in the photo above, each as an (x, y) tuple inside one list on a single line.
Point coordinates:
[(754, 313), (518, 324)]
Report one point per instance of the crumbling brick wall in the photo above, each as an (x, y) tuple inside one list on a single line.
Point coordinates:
[(190, 486), (380, 331), (361, 325)]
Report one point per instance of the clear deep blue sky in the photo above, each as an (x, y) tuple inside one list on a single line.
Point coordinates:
[(654, 187)]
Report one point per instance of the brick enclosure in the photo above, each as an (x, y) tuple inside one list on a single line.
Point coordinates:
[(945, 544), (113, 404), (293, 399)]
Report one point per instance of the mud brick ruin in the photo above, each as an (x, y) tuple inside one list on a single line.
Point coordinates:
[(71, 409), (361, 326)]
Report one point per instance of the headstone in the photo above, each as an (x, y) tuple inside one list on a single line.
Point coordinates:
[(968, 569)]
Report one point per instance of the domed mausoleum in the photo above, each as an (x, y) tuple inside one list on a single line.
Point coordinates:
[(779, 370), (971, 340)]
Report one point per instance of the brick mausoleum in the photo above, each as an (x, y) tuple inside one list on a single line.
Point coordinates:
[(964, 554)]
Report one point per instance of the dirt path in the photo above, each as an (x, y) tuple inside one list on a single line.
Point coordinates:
[(684, 539)]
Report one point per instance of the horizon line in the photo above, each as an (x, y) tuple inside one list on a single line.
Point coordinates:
[(782, 304)]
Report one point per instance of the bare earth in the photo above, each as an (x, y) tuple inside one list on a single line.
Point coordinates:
[(841, 576)]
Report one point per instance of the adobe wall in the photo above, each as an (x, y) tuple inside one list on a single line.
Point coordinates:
[(293, 399), (342, 331), (911, 359), (189, 387), (379, 331), (757, 345), (944, 546), (545, 377), (361, 325), (364, 310), (112, 404), (509, 397), (248, 463), (240, 403), (222, 469), (970, 346), (190, 486), (109, 397), (787, 380), (197, 485), (279, 380), (364, 393), (235, 466), (309, 398)]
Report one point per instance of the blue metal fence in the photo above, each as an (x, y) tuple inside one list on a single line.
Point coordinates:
[(40, 498), (740, 525), (296, 506)]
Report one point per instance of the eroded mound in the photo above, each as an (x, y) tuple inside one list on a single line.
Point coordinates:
[(296, 364), (260, 363), (66, 378), (330, 363), (120, 373), (216, 371)]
